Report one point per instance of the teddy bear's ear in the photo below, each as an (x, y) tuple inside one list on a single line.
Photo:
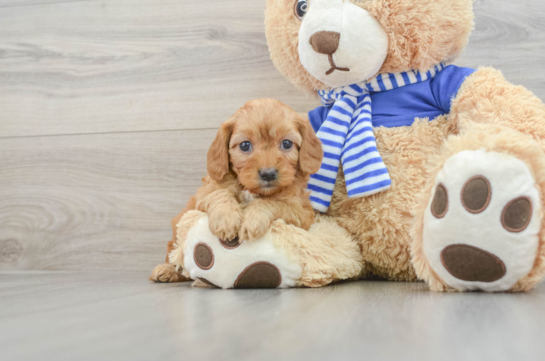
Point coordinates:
[(310, 153), (218, 154)]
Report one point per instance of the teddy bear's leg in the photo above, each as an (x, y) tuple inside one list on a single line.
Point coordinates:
[(287, 256), (327, 252), (487, 99), (208, 260), (479, 221)]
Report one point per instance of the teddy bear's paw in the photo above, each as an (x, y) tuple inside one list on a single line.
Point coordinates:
[(482, 223), (231, 264)]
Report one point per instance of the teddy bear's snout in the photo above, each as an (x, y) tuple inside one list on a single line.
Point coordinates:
[(325, 42), (340, 43)]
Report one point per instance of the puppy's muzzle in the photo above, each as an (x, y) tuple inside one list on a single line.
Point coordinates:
[(268, 174)]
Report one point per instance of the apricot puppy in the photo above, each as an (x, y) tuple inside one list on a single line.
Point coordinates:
[(258, 168)]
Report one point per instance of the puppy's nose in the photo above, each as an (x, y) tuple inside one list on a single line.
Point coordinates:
[(325, 42), (268, 174)]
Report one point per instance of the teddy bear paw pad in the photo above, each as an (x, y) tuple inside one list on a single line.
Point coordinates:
[(482, 224), (259, 275), (233, 264)]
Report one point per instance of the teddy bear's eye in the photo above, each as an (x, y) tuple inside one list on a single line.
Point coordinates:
[(301, 8)]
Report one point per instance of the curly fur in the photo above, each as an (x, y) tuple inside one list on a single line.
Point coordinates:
[(234, 174)]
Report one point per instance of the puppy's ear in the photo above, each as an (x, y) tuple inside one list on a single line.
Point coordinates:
[(218, 154), (311, 153)]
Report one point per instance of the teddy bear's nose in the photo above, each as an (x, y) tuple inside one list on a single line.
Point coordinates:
[(325, 42)]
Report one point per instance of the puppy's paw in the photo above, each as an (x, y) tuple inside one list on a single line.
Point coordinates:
[(255, 225), (166, 273), (225, 225)]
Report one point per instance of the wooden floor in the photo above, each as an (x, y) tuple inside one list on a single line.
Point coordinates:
[(115, 316), (107, 109)]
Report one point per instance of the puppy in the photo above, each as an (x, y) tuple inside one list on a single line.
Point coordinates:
[(258, 168)]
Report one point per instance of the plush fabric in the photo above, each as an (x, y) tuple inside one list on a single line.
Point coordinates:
[(420, 34), (484, 230), (347, 134), (481, 120), (352, 58), (228, 264), (324, 254), (487, 127), (401, 106), (466, 103)]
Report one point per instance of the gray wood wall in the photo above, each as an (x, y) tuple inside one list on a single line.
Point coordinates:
[(107, 109)]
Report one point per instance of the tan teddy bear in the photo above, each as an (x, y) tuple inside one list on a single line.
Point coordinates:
[(430, 171)]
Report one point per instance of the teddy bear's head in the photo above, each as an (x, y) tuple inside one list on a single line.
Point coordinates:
[(321, 44)]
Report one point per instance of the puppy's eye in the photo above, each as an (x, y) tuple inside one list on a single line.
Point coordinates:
[(301, 8), (287, 144), (245, 146)]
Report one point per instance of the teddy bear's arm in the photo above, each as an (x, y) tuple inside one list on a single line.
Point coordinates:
[(486, 98)]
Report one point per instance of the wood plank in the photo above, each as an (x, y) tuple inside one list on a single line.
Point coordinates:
[(133, 65), (136, 65), (19, 3), (122, 316), (510, 36), (95, 201)]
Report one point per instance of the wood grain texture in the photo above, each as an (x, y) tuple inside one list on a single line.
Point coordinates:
[(107, 109), (20, 3), (72, 67), (510, 36), (115, 316), (100, 201), (133, 65)]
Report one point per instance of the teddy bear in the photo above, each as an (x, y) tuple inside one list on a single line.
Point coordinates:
[(431, 171)]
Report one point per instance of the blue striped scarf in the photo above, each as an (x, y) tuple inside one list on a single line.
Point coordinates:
[(347, 135)]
